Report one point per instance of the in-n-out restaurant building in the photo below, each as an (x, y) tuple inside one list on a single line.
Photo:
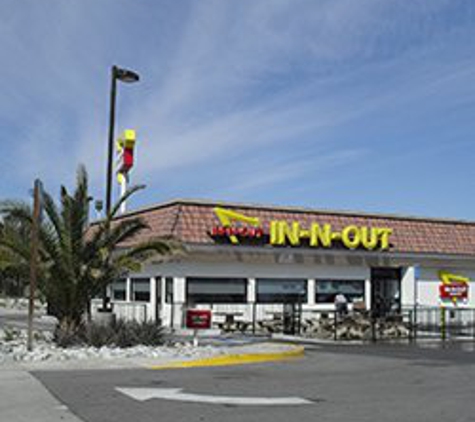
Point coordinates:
[(249, 259)]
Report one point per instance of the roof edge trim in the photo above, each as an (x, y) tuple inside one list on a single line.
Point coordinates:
[(293, 209)]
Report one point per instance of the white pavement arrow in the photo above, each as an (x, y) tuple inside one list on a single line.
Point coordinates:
[(142, 394)]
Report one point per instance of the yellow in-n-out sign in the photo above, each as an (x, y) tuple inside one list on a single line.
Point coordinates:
[(317, 235), (284, 233)]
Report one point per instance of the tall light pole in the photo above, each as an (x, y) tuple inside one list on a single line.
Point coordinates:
[(126, 76), (34, 260)]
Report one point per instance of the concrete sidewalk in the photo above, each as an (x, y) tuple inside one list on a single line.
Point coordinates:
[(24, 399)]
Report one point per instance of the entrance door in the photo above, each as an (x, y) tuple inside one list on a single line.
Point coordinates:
[(385, 291), (158, 299)]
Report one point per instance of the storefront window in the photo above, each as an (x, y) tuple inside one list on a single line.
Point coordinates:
[(158, 289), (216, 290), (270, 290), (118, 289), (169, 290), (140, 289), (326, 290)]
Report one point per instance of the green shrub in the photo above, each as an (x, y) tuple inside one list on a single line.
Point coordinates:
[(10, 334), (118, 333), (98, 335), (68, 335), (149, 334)]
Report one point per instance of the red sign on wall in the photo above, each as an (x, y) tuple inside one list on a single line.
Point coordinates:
[(454, 291), (198, 319), (454, 287)]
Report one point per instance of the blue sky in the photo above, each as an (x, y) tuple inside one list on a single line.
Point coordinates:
[(355, 105)]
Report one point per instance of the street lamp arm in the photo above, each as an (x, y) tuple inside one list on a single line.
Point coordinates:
[(125, 75)]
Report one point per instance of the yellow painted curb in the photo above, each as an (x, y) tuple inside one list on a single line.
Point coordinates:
[(242, 359)]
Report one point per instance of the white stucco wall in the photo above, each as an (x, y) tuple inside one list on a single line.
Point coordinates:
[(428, 287), (249, 270), (424, 291), (180, 270)]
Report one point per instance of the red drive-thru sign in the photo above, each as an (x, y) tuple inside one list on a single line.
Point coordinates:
[(454, 291), (198, 319), (454, 288)]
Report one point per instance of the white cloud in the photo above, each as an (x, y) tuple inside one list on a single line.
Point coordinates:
[(239, 77), (257, 174)]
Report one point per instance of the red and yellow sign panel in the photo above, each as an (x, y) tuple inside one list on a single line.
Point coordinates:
[(238, 226), (453, 288), (125, 153)]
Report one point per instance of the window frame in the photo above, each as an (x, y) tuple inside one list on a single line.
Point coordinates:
[(351, 298), (279, 298), (169, 282), (211, 280), (113, 290), (133, 280)]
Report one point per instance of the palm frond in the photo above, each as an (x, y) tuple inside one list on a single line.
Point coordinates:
[(116, 207), (16, 212), (124, 231), (76, 261), (52, 212), (157, 246)]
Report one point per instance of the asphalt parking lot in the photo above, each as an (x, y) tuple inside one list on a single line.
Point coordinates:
[(353, 383)]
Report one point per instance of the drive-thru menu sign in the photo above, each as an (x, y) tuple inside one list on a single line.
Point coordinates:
[(453, 287), (198, 319)]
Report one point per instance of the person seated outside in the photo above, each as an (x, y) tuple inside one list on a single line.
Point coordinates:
[(341, 304)]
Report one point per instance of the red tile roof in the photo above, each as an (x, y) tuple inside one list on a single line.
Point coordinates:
[(191, 221)]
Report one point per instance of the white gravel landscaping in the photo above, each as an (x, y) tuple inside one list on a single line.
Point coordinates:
[(13, 349), (20, 304)]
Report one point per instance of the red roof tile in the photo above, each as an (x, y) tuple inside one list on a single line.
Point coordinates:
[(192, 221)]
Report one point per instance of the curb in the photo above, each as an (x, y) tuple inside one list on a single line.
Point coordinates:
[(236, 359), (315, 341)]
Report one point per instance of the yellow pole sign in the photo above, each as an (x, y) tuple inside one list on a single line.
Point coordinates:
[(285, 233)]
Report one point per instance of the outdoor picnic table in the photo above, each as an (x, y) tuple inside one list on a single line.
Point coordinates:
[(235, 313), (229, 317), (275, 314), (230, 324)]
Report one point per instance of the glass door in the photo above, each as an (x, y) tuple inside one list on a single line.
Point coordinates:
[(385, 291)]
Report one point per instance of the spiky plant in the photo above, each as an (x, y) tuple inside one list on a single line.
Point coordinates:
[(77, 260)]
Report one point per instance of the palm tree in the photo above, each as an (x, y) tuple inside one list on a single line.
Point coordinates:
[(14, 269), (77, 259)]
